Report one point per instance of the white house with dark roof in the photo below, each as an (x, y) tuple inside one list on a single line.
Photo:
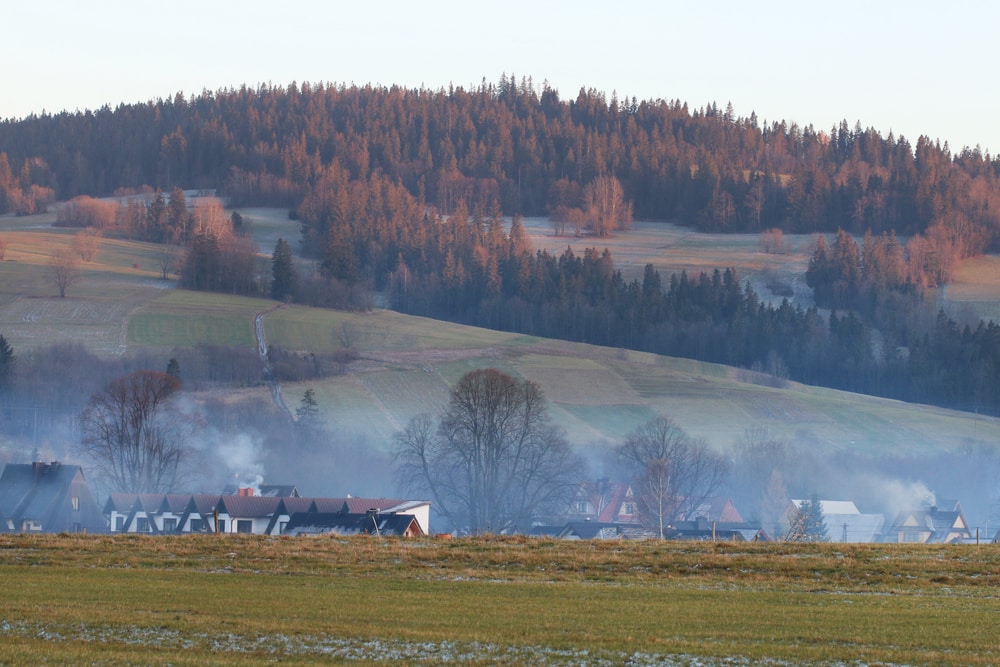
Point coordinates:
[(244, 512)]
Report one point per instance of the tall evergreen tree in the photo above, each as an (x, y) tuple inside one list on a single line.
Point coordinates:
[(7, 364), (283, 279)]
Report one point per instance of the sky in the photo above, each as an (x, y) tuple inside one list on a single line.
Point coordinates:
[(913, 68)]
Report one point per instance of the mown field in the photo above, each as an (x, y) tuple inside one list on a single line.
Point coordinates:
[(196, 600)]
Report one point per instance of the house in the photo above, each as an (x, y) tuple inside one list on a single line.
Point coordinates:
[(592, 530), (419, 509), (717, 508), (245, 513), (242, 512), (717, 531), (844, 521), (200, 516), (49, 498), (604, 501), (942, 523), (287, 506), (373, 522)]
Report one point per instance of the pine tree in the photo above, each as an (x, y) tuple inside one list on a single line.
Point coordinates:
[(174, 369), (7, 362), (283, 283)]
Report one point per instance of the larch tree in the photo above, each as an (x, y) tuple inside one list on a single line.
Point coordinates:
[(607, 209)]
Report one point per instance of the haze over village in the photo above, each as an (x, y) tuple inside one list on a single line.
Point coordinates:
[(623, 288)]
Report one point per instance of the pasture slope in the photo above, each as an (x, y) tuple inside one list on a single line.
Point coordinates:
[(407, 364)]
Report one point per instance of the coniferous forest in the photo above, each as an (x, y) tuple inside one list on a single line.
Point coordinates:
[(406, 192)]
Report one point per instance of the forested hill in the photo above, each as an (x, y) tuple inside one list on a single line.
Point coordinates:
[(513, 143)]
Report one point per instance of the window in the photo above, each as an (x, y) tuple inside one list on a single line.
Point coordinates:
[(629, 508), (244, 526), (169, 525), (221, 526), (281, 527), (142, 525), (119, 522), (197, 525), (911, 536), (75, 502), (581, 507)]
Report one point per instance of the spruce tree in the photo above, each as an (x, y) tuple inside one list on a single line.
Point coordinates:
[(807, 524), (282, 271)]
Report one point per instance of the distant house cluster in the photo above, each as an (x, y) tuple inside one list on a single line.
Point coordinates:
[(55, 498), (269, 510), (609, 510)]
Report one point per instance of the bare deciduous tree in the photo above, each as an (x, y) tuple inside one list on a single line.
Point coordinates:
[(85, 243), (607, 209), (169, 260), (674, 474), (63, 269), (772, 241), (493, 461), (136, 435)]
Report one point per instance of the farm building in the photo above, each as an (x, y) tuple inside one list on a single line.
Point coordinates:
[(48, 498)]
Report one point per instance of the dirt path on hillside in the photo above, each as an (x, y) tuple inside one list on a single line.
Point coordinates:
[(273, 385)]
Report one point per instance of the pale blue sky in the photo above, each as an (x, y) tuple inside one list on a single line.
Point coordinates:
[(911, 67)]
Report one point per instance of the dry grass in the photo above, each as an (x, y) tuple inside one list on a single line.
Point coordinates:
[(194, 600)]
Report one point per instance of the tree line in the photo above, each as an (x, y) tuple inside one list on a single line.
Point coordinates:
[(520, 144)]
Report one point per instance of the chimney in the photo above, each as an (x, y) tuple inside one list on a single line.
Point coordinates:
[(245, 492)]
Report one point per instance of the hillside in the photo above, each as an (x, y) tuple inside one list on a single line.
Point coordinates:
[(406, 365)]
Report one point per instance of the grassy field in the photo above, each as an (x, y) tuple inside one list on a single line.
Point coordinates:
[(237, 599)]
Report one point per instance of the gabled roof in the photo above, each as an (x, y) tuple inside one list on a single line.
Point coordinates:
[(205, 503), (384, 524), (293, 504), (942, 525), (248, 506), (46, 493), (716, 508), (175, 503), (279, 490)]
